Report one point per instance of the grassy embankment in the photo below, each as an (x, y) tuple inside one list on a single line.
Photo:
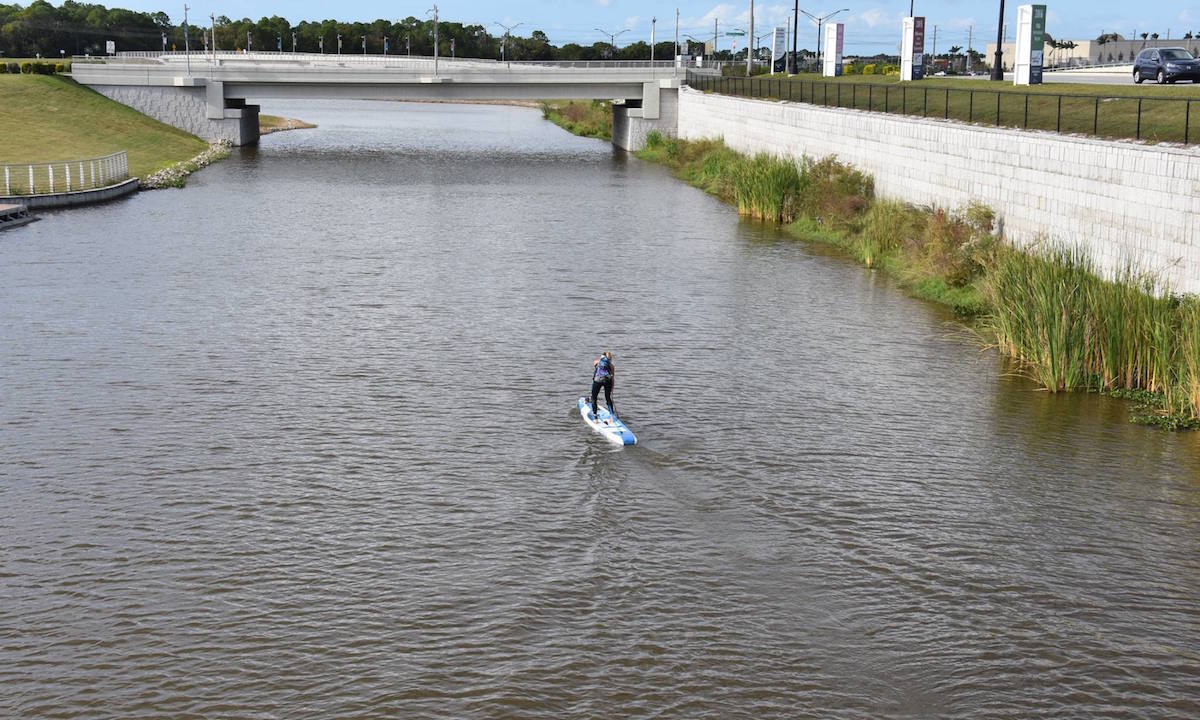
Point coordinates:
[(589, 119), (1048, 310), (48, 118), (1109, 110)]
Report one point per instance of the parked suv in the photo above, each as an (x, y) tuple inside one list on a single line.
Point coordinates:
[(1165, 65)]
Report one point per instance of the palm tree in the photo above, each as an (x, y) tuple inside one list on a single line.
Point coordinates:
[(954, 51)]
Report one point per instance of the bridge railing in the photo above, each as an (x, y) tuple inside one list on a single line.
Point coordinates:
[(64, 175), (222, 56)]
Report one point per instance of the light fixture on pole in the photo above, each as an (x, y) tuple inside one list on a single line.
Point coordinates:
[(213, 18), (504, 41), (612, 39), (819, 21), (339, 43), (364, 44), (249, 41), (653, 20)]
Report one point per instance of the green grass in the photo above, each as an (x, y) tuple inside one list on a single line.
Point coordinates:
[(586, 118), (48, 118), (1104, 110)]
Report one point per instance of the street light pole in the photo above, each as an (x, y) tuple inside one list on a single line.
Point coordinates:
[(997, 60), (435, 39), (612, 38), (507, 32), (795, 29), (186, 47), (819, 21), (653, 20), (750, 49)]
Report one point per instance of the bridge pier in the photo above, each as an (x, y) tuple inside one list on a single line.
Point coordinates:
[(657, 109), (196, 105)]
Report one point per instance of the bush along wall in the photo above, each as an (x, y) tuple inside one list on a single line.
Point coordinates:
[(1046, 308)]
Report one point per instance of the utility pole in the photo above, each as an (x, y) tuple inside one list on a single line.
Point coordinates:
[(750, 48), (653, 20), (249, 41), (716, 36), (213, 17), (186, 48), (364, 42), (321, 44), (339, 43), (293, 42), (997, 66)]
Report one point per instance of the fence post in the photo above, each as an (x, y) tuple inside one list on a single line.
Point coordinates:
[(903, 99), (82, 180), (886, 93), (925, 107), (1058, 122), (92, 165), (1026, 111), (1096, 117), (1187, 119), (1139, 120), (50, 168), (31, 180), (854, 95), (8, 191), (67, 172), (946, 110), (971, 108), (997, 109)]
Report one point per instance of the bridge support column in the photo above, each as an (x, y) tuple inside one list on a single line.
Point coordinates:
[(192, 104), (657, 109)]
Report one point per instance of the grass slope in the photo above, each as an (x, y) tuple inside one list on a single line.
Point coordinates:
[(47, 118)]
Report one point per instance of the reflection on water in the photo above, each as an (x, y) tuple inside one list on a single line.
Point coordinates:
[(300, 441)]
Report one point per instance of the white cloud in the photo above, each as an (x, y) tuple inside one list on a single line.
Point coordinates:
[(875, 17)]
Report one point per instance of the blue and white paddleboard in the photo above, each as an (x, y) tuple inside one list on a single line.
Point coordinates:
[(610, 427)]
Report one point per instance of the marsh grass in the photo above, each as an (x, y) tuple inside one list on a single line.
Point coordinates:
[(586, 118), (1047, 308)]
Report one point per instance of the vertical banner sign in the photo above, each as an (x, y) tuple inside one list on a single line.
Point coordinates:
[(1031, 42), (1037, 45), (831, 64), (779, 49), (110, 47), (918, 58), (912, 49)]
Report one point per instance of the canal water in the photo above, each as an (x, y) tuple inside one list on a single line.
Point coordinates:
[(300, 441)]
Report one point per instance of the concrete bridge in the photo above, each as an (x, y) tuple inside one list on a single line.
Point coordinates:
[(209, 94)]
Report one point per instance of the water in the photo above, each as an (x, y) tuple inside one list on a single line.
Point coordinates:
[(300, 441)]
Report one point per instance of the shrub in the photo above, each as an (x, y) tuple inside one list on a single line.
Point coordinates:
[(850, 69), (14, 68), (3, 68), (887, 227), (60, 68), (869, 69), (654, 139), (27, 68)]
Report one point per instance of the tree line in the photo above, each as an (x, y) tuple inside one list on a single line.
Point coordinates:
[(77, 28)]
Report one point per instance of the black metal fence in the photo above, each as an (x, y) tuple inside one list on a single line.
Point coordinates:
[(1160, 119)]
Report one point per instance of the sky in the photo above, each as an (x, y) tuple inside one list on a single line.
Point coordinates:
[(871, 26)]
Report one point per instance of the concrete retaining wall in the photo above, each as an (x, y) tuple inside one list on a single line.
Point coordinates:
[(72, 199), (1119, 200), (187, 109)]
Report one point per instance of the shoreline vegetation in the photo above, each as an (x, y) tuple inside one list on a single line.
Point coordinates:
[(588, 119), (1045, 308), (268, 124)]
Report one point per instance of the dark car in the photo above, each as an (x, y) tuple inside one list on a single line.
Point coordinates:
[(1165, 65)]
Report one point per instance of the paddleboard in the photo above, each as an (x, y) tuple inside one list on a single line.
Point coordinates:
[(610, 427)]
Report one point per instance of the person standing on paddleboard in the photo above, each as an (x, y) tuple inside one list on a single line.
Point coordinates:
[(602, 377)]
